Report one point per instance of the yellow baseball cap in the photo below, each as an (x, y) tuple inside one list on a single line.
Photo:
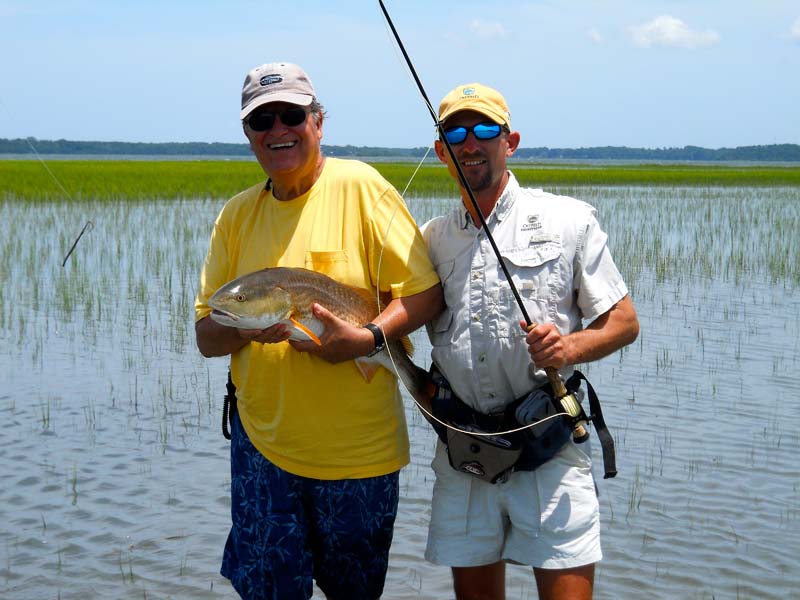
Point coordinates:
[(477, 97)]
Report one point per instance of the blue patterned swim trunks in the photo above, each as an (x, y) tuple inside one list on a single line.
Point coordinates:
[(288, 530)]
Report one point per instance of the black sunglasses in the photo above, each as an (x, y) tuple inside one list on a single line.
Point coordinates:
[(263, 120), (481, 131)]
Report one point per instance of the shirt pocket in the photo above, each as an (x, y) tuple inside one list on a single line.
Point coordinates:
[(332, 263), (534, 271)]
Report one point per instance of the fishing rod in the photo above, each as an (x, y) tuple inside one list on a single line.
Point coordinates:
[(86, 228), (462, 178), (559, 389)]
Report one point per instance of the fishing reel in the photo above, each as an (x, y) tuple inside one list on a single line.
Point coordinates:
[(572, 406)]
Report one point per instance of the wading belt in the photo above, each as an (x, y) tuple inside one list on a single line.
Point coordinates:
[(228, 407), (532, 450)]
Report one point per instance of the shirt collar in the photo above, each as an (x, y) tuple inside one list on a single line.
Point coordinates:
[(501, 209), (506, 200)]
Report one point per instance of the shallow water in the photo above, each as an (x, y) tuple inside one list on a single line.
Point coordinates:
[(115, 473)]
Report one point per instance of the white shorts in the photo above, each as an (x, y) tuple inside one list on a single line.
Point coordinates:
[(547, 518)]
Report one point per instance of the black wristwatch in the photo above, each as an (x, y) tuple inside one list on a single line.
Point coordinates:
[(380, 341)]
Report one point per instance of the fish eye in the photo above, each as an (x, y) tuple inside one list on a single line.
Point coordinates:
[(241, 297)]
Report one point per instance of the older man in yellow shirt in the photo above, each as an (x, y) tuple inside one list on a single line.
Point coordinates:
[(316, 449)]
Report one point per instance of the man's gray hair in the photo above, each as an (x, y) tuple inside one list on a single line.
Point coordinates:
[(317, 110)]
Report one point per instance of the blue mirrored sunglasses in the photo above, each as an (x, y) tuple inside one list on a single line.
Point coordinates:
[(481, 131)]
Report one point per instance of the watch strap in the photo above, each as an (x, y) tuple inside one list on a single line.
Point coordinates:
[(377, 333)]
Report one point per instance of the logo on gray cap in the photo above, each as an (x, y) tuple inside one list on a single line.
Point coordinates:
[(270, 79)]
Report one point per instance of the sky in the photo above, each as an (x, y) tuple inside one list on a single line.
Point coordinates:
[(575, 73)]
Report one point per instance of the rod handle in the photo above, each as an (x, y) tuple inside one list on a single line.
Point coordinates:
[(559, 391)]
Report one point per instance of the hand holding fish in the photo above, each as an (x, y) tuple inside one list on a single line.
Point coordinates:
[(322, 316), (271, 335), (340, 341)]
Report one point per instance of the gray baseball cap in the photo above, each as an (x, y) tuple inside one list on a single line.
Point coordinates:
[(275, 82)]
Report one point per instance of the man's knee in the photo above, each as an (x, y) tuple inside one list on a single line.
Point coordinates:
[(576, 583)]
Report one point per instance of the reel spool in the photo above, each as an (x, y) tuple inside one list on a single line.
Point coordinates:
[(570, 405), (574, 409)]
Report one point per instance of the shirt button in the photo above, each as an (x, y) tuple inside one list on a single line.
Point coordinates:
[(476, 274), (476, 317)]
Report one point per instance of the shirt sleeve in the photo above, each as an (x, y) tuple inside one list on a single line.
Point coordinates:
[(216, 269), (399, 260), (598, 282)]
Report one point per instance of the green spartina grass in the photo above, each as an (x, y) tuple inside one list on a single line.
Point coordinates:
[(147, 180)]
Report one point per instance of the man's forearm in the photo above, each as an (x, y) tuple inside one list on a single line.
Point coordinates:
[(404, 315), (214, 339), (606, 334)]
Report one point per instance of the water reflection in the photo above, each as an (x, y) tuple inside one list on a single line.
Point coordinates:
[(115, 471)]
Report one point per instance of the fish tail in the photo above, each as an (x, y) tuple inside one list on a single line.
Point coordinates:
[(415, 379)]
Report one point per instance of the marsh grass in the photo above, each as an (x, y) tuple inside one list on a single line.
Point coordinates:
[(103, 357), (126, 180), (145, 180), (687, 234), (434, 180), (706, 234)]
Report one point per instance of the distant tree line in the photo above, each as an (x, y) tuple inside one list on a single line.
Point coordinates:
[(23, 146), (772, 152)]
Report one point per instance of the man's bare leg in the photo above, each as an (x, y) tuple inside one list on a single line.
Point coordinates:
[(487, 582), (565, 584)]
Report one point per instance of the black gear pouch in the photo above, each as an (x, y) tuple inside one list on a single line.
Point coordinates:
[(492, 457), (487, 457), (542, 441)]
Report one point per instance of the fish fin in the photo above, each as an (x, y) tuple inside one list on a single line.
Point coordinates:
[(405, 341), (367, 369), (305, 330)]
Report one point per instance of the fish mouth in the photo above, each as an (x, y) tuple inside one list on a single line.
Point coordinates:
[(224, 313)]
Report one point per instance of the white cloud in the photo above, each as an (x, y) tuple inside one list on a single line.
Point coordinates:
[(596, 36), (487, 29), (669, 31), (796, 30)]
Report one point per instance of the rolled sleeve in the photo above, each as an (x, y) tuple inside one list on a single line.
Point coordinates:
[(598, 282)]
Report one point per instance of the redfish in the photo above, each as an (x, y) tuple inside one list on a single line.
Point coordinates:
[(285, 295)]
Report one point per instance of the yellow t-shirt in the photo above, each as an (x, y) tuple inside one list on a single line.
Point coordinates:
[(305, 415)]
